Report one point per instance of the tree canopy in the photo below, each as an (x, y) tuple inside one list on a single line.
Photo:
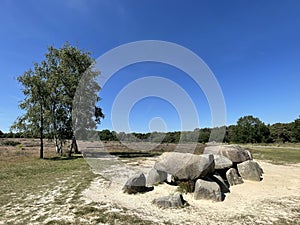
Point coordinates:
[(49, 89), (250, 129)]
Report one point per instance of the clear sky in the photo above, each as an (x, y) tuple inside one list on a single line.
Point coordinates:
[(252, 47)]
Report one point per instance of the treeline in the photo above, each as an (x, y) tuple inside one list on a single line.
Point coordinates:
[(247, 130)]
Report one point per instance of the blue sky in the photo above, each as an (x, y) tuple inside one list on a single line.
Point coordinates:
[(252, 47)]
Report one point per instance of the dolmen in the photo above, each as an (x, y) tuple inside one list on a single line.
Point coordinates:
[(208, 176)]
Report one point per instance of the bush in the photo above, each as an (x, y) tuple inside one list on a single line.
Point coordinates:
[(11, 143), (186, 186)]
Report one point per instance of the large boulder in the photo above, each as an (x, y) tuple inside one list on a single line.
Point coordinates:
[(233, 178), (222, 162), (250, 170), (185, 166), (136, 184), (155, 177), (208, 190), (233, 152), (175, 200)]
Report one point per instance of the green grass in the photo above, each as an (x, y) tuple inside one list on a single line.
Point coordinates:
[(276, 155), (36, 190), (35, 175)]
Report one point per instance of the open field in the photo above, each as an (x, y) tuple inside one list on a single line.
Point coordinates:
[(66, 191), (277, 154)]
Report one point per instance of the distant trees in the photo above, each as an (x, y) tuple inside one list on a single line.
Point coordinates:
[(107, 135), (295, 127), (250, 130), (49, 89), (280, 132)]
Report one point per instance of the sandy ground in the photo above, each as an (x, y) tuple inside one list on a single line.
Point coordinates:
[(274, 200)]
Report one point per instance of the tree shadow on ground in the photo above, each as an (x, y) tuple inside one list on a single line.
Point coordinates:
[(120, 154), (134, 154), (59, 158)]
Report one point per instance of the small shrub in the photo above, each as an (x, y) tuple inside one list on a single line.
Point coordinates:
[(11, 143), (186, 186)]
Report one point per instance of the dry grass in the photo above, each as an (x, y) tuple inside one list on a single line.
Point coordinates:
[(35, 191)]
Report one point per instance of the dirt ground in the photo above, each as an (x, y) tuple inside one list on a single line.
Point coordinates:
[(274, 200)]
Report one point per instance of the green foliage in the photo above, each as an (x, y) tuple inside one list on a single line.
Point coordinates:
[(106, 135), (281, 132), (186, 186), (11, 143), (172, 137), (296, 130), (204, 135), (49, 89), (250, 130)]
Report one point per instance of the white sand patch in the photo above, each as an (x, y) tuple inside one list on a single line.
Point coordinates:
[(264, 201)]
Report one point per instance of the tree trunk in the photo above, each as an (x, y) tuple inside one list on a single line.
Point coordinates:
[(70, 152), (61, 147), (74, 145), (41, 148), (56, 144), (41, 134)]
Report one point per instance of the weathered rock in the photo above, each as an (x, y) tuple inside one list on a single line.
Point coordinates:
[(250, 155), (185, 166), (222, 162), (233, 178), (171, 179), (136, 184), (233, 152), (155, 177), (209, 190), (250, 170), (219, 180), (175, 200)]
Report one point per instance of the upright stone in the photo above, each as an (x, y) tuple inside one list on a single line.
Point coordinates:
[(155, 177), (233, 178), (208, 190), (250, 170), (135, 184)]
